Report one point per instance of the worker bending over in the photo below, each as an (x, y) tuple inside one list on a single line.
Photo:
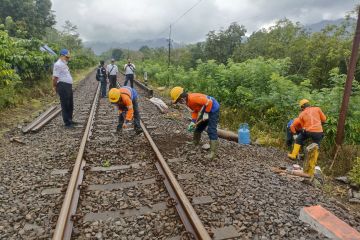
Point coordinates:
[(310, 120), (290, 136), (205, 114), (125, 99)]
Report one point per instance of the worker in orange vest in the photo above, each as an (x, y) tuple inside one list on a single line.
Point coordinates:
[(125, 98), (310, 119), (205, 114)]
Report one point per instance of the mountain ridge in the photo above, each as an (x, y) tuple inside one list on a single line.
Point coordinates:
[(100, 47)]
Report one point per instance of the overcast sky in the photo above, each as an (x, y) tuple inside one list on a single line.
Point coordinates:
[(122, 21)]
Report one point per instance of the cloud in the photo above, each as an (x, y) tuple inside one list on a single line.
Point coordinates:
[(122, 21)]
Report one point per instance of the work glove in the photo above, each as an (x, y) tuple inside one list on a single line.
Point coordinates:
[(295, 136), (191, 127), (127, 124), (205, 116)]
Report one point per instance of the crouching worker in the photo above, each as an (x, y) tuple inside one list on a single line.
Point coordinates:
[(205, 114), (310, 119), (290, 136), (125, 98)]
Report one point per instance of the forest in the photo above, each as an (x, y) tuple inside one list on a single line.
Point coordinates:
[(25, 28)]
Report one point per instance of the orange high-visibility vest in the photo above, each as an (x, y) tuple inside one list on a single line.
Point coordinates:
[(195, 101), (126, 102), (311, 119)]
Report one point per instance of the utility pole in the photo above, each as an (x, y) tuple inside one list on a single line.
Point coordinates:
[(348, 85), (169, 60)]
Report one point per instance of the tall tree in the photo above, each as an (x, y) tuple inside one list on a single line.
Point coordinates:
[(32, 15), (221, 45), (117, 54)]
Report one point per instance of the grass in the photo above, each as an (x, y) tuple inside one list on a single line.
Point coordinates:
[(32, 101)]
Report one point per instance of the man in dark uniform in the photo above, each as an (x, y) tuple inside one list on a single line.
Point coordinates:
[(101, 76)]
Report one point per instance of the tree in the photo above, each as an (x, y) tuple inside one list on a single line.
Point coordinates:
[(146, 51), (284, 39), (220, 46), (117, 54), (328, 49), (197, 52), (34, 16), (70, 38)]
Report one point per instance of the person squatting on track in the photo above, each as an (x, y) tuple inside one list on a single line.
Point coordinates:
[(112, 71), (102, 76), (125, 98), (62, 84), (129, 73), (205, 114), (290, 136), (310, 121)]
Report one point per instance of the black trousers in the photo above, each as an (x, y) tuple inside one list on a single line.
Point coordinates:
[(103, 88), (316, 137), (112, 81), (67, 102), (131, 78), (136, 115)]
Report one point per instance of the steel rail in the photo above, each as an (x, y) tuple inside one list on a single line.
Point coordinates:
[(46, 119), (186, 212), (48, 115), (148, 90), (38, 119), (64, 223), (190, 217)]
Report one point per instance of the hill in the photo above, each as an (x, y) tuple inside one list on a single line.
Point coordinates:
[(100, 47)]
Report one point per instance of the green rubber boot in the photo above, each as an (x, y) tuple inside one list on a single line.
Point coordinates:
[(196, 138), (213, 149)]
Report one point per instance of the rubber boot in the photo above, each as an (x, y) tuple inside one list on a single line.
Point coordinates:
[(213, 149), (312, 156), (295, 151), (196, 138)]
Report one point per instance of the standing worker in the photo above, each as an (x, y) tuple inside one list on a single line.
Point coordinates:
[(311, 120), (129, 73), (205, 114), (112, 71), (62, 84), (101, 76), (125, 98)]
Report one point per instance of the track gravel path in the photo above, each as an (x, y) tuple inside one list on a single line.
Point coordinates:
[(28, 170), (236, 191)]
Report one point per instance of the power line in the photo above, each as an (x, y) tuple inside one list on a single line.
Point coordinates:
[(181, 16), (186, 12)]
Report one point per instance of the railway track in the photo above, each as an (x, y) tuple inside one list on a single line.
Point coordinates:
[(111, 179), (122, 195)]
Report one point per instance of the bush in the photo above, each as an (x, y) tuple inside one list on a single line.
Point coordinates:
[(8, 81), (354, 174), (263, 91), (24, 66)]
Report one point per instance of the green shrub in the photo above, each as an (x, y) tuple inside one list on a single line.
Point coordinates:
[(263, 92), (355, 171), (8, 81)]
